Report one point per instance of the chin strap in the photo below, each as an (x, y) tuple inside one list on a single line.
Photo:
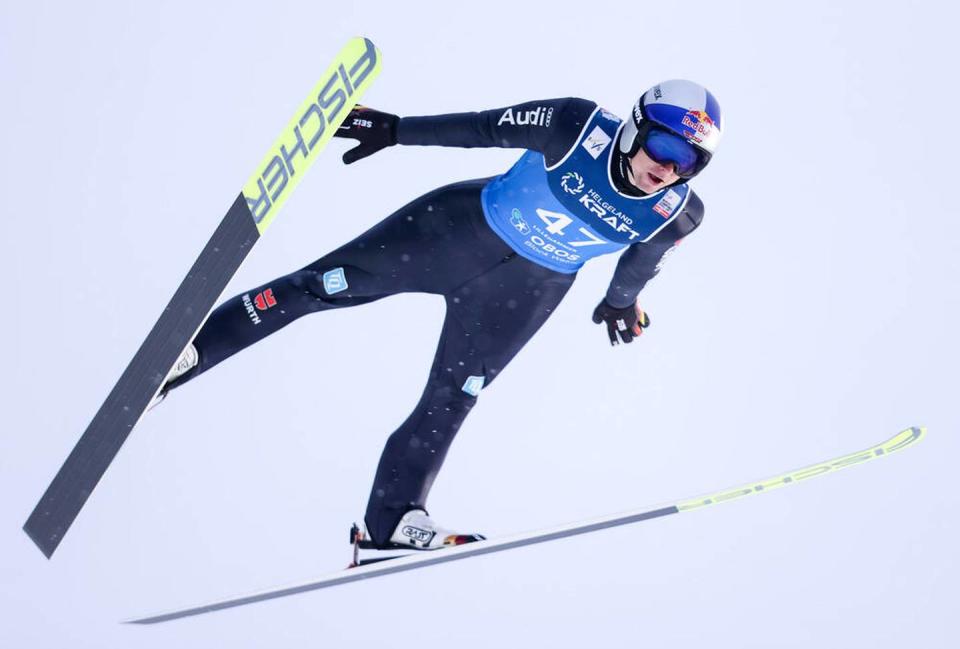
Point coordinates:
[(619, 171)]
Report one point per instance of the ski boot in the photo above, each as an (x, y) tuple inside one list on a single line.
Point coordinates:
[(416, 531), (187, 361)]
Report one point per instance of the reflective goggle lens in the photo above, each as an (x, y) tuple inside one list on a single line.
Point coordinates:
[(666, 148)]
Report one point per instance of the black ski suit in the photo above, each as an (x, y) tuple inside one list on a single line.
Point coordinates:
[(440, 243)]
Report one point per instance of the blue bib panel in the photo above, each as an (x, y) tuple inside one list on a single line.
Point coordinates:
[(560, 217)]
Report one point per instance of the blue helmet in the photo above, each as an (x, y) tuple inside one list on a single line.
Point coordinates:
[(681, 107)]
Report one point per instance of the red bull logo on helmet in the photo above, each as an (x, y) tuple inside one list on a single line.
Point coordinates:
[(699, 126)]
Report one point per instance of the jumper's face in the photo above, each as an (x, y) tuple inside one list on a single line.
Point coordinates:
[(651, 176)]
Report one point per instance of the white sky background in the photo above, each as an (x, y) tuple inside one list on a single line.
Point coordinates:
[(813, 314)]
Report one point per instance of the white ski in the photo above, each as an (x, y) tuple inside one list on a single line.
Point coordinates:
[(429, 558)]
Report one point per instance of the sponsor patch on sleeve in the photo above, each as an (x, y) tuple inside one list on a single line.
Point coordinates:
[(666, 205)]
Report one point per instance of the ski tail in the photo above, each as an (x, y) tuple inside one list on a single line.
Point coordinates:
[(900, 441), (141, 380), (284, 166)]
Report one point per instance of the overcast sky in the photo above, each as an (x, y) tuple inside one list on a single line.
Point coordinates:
[(813, 314)]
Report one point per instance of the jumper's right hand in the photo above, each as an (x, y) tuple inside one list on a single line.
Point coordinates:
[(374, 130), (626, 322)]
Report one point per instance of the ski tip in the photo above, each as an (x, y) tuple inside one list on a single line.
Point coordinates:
[(904, 438), (364, 39), (901, 440)]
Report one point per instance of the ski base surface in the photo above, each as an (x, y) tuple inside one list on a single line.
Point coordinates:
[(142, 379), (265, 192), (419, 560)]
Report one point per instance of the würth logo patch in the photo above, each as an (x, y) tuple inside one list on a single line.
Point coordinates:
[(265, 300)]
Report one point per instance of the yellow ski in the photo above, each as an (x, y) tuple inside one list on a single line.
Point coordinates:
[(423, 559)]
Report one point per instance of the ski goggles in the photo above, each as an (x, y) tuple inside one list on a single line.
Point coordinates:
[(666, 148)]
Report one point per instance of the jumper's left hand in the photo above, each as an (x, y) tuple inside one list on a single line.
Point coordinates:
[(624, 323)]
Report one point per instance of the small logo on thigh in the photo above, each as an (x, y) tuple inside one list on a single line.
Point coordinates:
[(473, 385), (251, 310), (265, 300), (334, 281)]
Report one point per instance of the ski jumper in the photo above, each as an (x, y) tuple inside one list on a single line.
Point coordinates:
[(502, 251)]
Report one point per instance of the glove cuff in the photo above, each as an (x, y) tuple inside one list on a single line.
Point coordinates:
[(394, 129)]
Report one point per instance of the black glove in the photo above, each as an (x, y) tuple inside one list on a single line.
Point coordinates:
[(373, 129), (629, 321)]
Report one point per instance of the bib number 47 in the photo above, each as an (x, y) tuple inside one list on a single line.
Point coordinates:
[(557, 221)]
